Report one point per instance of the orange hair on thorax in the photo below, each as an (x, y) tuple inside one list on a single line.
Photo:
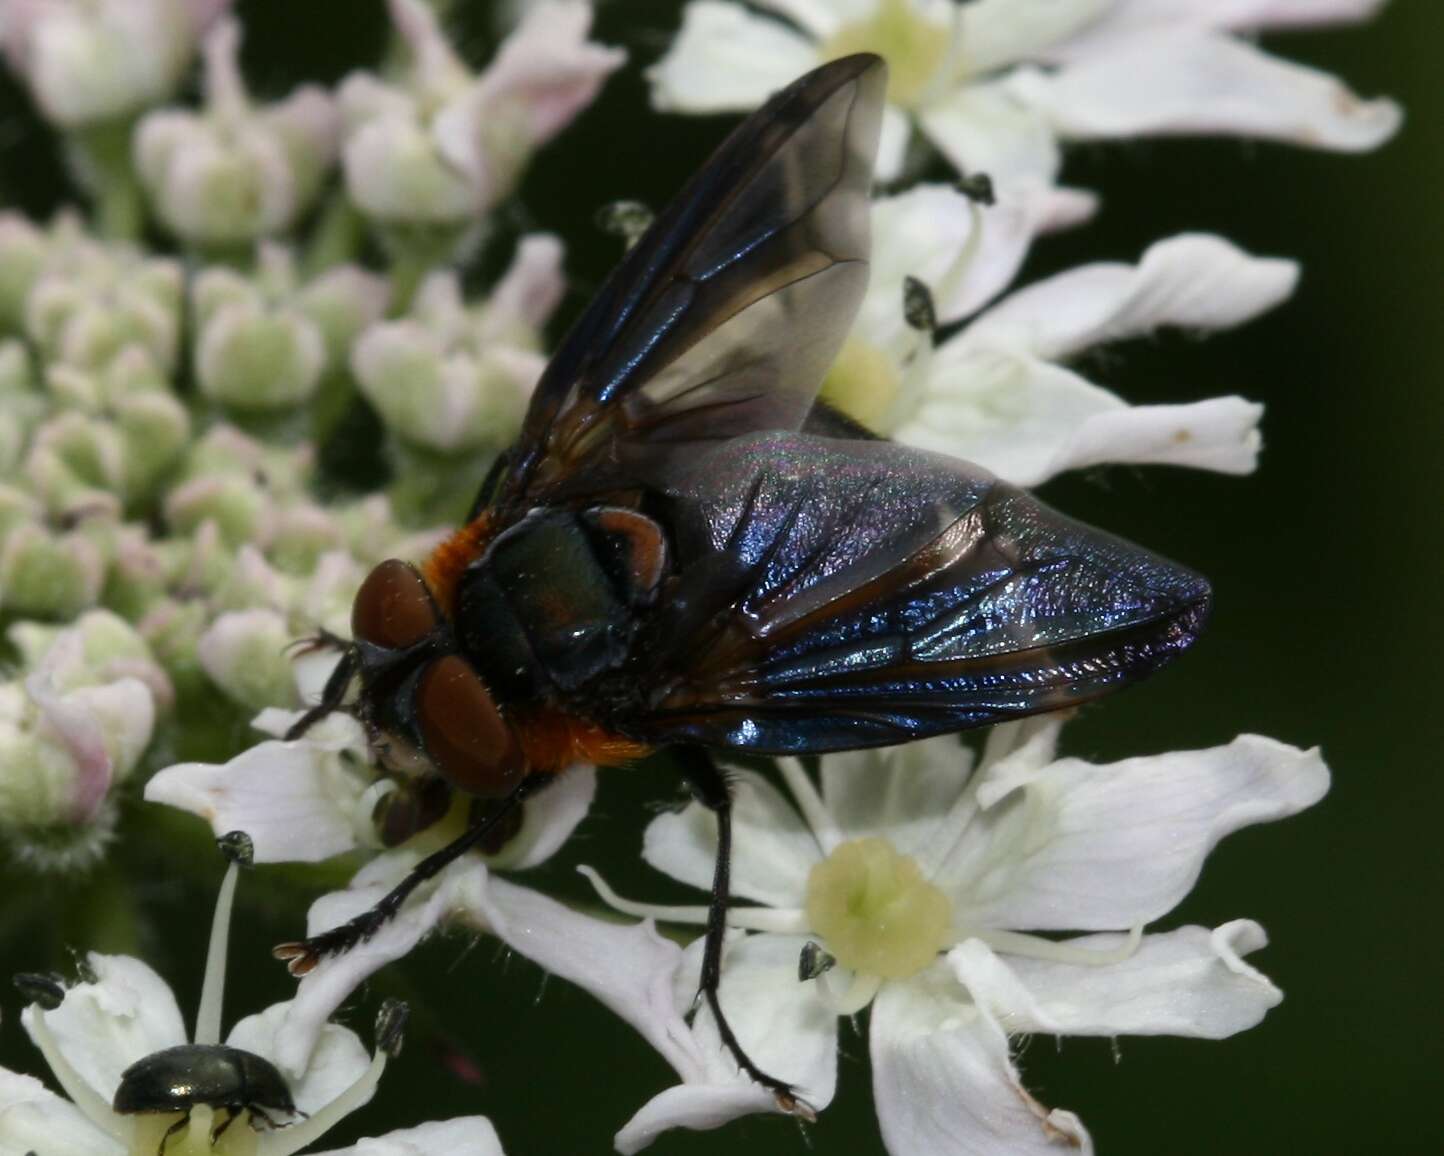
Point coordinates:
[(459, 550)]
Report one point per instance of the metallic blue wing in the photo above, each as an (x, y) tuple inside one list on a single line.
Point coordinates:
[(841, 594), (725, 316)]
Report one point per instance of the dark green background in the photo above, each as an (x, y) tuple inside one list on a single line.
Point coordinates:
[(1327, 631)]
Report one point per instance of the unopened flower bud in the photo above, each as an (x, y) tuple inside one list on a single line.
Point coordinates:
[(446, 147), (244, 654), (96, 61), (234, 173), (250, 359), (48, 575), (236, 503), (23, 249), (440, 399), (100, 647), (300, 535), (87, 319), (154, 428), (342, 302), (76, 465)]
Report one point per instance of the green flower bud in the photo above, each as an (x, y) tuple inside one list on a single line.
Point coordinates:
[(236, 503), (76, 465), (342, 302), (300, 535), (46, 575), (173, 628), (23, 250), (254, 360), (154, 428), (234, 173), (107, 648), (243, 652)]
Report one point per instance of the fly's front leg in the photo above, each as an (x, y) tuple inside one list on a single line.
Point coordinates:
[(709, 786), (303, 955)]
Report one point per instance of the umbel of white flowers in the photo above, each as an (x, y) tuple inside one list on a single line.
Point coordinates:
[(110, 1038)]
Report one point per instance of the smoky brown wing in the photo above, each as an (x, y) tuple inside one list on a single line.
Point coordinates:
[(839, 594), (725, 316)]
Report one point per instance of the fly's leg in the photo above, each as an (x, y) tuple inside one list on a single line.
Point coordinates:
[(331, 696), (303, 955), (709, 787)]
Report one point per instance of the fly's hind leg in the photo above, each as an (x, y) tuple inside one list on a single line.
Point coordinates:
[(709, 787)]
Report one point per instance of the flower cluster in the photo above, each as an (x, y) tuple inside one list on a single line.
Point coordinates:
[(184, 495)]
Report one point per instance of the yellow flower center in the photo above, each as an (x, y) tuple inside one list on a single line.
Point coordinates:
[(913, 47), (863, 382), (876, 911)]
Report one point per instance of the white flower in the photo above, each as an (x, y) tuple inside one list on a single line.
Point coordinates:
[(122, 1012), (235, 173), (448, 145), (87, 61), (996, 84), (995, 392), (454, 378), (925, 883)]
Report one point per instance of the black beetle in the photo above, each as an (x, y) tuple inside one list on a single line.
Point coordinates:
[(188, 1075)]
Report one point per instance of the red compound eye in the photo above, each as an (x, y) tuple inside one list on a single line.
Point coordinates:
[(393, 608), (463, 731)]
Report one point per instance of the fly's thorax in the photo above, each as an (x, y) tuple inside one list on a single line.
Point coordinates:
[(556, 600)]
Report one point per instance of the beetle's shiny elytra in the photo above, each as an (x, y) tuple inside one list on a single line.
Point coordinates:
[(186, 1076), (683, 551)]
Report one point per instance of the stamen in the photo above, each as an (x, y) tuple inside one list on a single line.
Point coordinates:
[(390, 1027), (208, 1017), (824, 829), (1036, 947), (81, 1094), (296, 1137), (788, 921)]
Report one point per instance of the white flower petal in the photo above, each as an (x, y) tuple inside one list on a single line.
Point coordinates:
[(333, 980), (772, 848), (1110, 847), (697, 1107), (965, 253), (533, 284), (997, 33), (1219, 434), (104, 1027), (548, 820), (979, 128), (35, 1119), (1189, 81), (894, 133), (1194, 280), (725, 59), (463, 1136), (944, 1084), (903, 794), (1003, 409), (628, 968), (337, 1061), (1188, 982), (820, 18), (785, 1026), (1127, 18), (297, 801), (547, 68)]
